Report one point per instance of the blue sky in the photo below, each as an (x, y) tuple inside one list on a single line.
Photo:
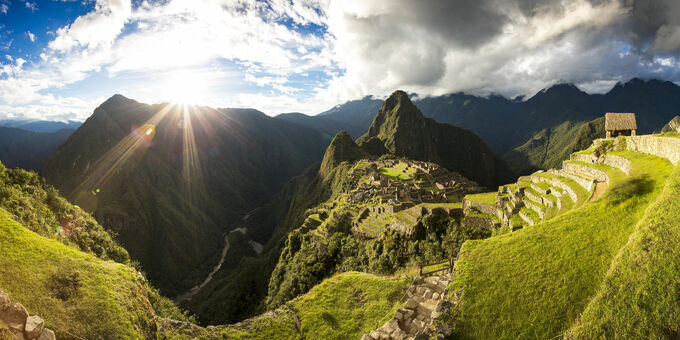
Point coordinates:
[(59, 59)]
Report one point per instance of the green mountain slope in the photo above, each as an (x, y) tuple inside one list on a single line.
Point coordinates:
[(405, 132), (549, 147), (57, 261), (170, 180)]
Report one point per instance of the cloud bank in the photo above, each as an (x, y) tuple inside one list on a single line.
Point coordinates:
[(309, 55)]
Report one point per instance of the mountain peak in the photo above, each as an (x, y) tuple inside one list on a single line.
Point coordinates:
[(342, 148)]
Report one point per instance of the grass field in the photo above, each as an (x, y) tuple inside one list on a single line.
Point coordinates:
[(638, 298), (76, 293), (534, 283)]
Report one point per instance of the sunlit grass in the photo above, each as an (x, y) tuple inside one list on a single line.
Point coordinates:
[(535, 282)]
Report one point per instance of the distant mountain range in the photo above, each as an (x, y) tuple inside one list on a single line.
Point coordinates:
[(507, 125), (39, 125), (29, 149)]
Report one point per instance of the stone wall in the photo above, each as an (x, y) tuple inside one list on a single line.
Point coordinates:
[(586, 171), (480, 222), (526, 218), (535, 208), (16, 323), (585, 183), (664, 147), (619, 162), (558, 183), (615, 161), (484, 208)]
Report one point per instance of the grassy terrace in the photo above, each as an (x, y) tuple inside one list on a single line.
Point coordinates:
[(473, 213), (535, 283), (582, 194), (107, 299), (487, 197)]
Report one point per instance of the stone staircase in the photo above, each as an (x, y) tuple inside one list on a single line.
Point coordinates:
[(426, 302)]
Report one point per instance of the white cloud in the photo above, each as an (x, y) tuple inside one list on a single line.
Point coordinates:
[(31, 36), (95, 29), (32, 6)]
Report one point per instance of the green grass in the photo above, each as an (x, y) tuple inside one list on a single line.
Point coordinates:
[(487, 197), (105, 300), (347, 305), (638, 298), (395, 173), (344, 306), (535, 283)]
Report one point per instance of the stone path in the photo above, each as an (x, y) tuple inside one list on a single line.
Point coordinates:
[(600, 188), (426, 301)]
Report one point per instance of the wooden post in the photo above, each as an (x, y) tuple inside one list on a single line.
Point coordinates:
[(421, 271)]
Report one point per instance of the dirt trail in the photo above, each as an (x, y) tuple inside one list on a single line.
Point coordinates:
[(600, 188), (191, 292)]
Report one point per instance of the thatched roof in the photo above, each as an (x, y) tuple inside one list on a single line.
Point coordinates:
[(619, 121)]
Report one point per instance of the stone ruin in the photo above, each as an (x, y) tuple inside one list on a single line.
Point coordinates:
[(16, 323)]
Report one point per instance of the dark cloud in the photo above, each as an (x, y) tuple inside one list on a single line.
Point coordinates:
[(507, 46)]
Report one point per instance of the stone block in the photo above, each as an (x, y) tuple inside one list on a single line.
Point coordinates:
[(47, 335), (34, 326), (15, 316)]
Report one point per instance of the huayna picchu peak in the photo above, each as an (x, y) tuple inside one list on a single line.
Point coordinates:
[(405, 132)]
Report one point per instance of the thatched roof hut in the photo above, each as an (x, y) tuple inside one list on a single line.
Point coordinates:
[(620, 124)]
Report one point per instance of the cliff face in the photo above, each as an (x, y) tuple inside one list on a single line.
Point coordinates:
[(404, 131)]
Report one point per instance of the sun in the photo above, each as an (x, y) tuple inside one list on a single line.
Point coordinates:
[(183, 87)]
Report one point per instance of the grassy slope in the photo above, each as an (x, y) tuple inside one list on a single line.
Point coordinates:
[(344, 306), (111, 301), (639, 296), (535, 282)]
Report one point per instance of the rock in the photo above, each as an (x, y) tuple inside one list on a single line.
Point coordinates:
[(366, 337), (15, 316), (34, 326), (4, 300), (18, 336), (47, 335)]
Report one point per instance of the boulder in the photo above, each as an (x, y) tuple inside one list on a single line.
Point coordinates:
[(14, 315), (4, 300), (47, 335), (34, 326)]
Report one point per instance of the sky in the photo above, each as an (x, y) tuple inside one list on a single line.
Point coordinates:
[(59, 59)]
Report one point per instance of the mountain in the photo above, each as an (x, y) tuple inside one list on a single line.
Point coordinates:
[(672, 126), (506, 125), (355, 112), (28, 149), (40, 125), (323, 124), (550, 146), (405, 132), (170, 180)]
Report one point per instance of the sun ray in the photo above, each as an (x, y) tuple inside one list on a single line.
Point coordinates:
[(112, 161), (191, 165)]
